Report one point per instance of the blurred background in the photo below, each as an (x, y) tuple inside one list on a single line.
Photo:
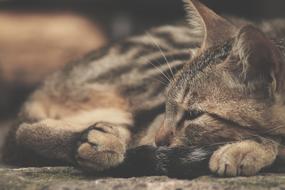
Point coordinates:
[(38, 37)]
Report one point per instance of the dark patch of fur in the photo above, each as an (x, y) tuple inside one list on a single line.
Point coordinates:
[(180, 162)]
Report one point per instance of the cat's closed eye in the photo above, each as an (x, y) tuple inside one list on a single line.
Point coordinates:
[(192, 114), (188, 115)]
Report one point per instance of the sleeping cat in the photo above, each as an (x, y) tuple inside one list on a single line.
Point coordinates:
[(178, 101)]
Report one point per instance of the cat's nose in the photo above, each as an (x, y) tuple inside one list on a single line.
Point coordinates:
[(164, 136)]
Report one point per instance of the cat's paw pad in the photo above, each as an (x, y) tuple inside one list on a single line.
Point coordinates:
[(100, 148), (238, 159)]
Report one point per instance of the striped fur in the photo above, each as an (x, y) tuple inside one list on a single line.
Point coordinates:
[(104, 112), (138, 68)]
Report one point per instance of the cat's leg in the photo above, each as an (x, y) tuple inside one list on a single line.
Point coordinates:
[(97, 147), (243, 158), (94, 138)]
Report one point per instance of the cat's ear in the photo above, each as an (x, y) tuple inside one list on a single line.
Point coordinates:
[(260, 58), (214, 28)]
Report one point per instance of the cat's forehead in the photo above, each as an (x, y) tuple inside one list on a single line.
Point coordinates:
[(195, 72)]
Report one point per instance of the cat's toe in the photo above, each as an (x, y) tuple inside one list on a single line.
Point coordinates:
[(227, 168), (250, 165), (231, 166), (99, 149), (223, 165), (239, 159)]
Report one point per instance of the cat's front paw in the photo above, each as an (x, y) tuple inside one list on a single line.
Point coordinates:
[(244, 158), (100, 148)]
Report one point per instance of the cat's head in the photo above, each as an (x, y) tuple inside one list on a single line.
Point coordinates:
[(232, 89)]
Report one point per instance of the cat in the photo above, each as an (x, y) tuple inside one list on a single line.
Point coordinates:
[(181, 100)]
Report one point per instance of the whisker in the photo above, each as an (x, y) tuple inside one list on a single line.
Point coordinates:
[(261, 137), (160, 81), (246, 138), (219, 143), (159, 48), (166, 77), (273, 129)]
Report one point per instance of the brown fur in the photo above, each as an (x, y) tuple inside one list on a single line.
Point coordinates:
[(239, 98), (231, 91), (44, 104)]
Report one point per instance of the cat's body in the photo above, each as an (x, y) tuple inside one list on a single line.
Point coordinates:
[(112, 100), (127, 79)]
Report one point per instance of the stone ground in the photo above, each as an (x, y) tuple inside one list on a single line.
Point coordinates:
[(66, 178)]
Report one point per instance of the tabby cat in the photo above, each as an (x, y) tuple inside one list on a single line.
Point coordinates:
[(178, 101)]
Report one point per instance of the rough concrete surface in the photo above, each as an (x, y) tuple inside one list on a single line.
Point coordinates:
[(66, 178)]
